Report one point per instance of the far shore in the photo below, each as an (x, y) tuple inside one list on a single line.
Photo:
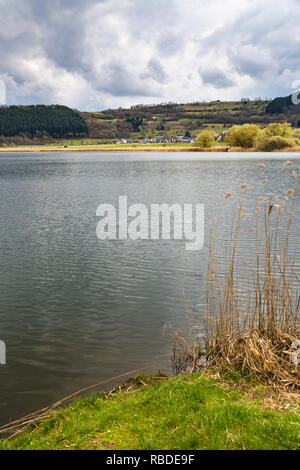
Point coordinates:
[(144, 148), (111, 149)]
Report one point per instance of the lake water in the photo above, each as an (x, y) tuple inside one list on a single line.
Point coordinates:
[(75, 310)]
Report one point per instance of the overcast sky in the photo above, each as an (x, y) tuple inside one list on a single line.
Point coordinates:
[(95, 54)]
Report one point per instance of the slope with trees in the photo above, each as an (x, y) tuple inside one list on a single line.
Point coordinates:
[(33, 121)]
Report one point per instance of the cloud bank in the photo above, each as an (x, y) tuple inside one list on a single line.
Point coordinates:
[(95, 54)]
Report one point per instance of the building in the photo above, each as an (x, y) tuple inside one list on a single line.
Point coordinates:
[(221, 137), (182, 139), (160, 139)]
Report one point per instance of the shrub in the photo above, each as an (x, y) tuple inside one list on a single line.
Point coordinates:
[(278, 129), (245, 136), (296, 134), (205, 139), (276, 143)]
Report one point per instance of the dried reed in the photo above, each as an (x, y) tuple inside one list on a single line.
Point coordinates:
[(252, 307), (253, 315)]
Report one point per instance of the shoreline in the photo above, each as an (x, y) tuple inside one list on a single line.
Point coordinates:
[(140, 149), (109, 149), (166, 409)]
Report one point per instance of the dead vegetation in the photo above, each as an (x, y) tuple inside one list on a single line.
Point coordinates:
[(252, 293)]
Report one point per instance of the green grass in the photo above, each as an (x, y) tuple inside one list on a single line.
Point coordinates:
[(130, 145), (93, 145), (100, 146), (182, 413)]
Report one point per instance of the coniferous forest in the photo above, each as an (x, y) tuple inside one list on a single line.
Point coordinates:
[(55, 121)]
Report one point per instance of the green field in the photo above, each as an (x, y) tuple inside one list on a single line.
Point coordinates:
[(93, 144)]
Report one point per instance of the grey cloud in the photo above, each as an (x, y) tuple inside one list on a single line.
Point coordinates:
[(246, 62), (155, 71), (271, 33), (116, 80), (169, 43), (216, 77), (152, 44), (62, 30), (57, 28)]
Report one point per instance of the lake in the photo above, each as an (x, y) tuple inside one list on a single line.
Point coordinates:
[(75, 310)]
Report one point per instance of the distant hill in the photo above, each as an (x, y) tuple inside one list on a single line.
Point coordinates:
[(283, 105), (39, 124), (171, 118), (35, 121), (278, 105)]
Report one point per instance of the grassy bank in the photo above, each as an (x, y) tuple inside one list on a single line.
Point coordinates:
[(185, 412), (137, 148), (175, 147), (134, 148), (112, 148)]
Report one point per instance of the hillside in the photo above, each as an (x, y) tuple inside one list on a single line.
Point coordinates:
[(41, 122), (26, 125), (171, 119)]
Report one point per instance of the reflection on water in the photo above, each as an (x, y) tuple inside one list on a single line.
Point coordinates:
[(75, 310)]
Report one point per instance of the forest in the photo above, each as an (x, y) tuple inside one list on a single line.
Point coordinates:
[(35, 121)]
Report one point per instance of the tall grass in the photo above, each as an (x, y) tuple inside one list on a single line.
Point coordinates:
[(252, 291)]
